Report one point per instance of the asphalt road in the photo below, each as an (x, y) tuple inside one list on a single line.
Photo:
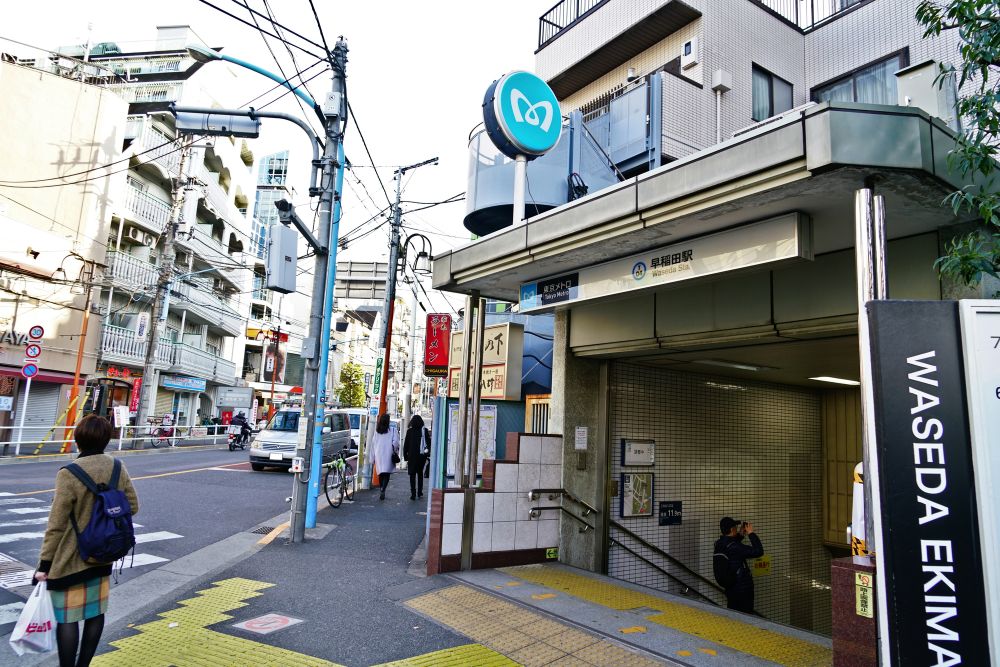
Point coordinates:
[(188, 500)]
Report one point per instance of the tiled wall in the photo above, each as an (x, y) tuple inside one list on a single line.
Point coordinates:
[(727, 448), (504, 532)]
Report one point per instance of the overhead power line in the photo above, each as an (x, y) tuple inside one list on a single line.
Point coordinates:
[(248, 24), (368, 152)]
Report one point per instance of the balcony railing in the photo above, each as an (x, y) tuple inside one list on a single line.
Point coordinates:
[(143, 207), (121, 345), (206, 247), (218, 199), (807, 14), (562, 16), (198, 297), (135, 273), (153, 145), (134, 93)]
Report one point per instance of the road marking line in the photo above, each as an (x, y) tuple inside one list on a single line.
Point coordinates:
[(156, 537), (28, 510), (15, 579), (25, 522), (19, 501), (5, 493), (9, 613), (270, 537), (134, 479), (16, 537), (144, 559)]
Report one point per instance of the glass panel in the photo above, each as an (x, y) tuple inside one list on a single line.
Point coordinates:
[(355, 421), (877, 84), (782, 95), (837, 92), (285, 421), (761, 95)]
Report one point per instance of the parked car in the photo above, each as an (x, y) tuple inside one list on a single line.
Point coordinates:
[(275, 445), (357, 417)]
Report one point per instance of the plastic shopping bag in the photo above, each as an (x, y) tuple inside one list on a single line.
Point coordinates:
[(35, 631)]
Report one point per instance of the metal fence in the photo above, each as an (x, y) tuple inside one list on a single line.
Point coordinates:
[(35, 440), (562, 16), (807, 14)]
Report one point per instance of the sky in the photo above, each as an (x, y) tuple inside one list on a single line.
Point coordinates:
[(416, 75)]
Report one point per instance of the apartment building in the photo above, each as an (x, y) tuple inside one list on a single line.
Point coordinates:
[(56, 206), (691, 124), (211, 293)]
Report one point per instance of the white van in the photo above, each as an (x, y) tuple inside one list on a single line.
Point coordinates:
[(275, 445), (357, 417)]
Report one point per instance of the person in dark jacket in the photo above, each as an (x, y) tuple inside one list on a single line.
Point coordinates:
[(739, 595), (413, 454)]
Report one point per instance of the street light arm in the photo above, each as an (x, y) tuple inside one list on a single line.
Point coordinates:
[(279, 80)]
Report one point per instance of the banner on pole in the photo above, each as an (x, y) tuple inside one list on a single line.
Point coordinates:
[(437, 344)]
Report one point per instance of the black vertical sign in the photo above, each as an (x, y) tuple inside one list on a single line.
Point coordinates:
[(930, 538)]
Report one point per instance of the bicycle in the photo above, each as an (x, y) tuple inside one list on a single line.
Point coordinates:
[(339, 480)]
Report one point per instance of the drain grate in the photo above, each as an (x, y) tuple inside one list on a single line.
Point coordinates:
[(263, 530)]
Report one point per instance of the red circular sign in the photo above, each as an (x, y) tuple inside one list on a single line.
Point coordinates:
[(36, 332), (32, 350), (29, 370)]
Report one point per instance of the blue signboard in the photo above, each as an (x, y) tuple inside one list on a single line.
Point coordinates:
[(549, 291), (182, 383), (521, 115)]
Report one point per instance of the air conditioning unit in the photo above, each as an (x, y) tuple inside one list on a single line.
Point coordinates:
[(689, 53), (149, 240), (217, 284), (136, 234)]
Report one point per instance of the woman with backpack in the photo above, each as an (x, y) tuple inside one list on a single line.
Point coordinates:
[(413, 454), (79, 586)]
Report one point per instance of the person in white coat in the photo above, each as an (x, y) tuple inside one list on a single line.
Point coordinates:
[(385, 452)]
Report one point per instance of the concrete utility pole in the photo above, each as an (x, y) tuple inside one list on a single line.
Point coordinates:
[(159, 317), (312, 348), (385, 340)]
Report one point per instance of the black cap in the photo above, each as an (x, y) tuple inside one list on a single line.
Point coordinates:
[(727, 524)]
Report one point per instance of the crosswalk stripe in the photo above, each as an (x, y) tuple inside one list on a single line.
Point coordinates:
[(28, 510), (25, 522), (152, 537), (16, 537), (144, 559), (9, 613), (18, 501), (6, 493), (15, 579)]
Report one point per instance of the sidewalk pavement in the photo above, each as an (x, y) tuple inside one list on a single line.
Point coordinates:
[(354, 594)]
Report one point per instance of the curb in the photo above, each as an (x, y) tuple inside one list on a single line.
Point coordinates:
[(32, 458)]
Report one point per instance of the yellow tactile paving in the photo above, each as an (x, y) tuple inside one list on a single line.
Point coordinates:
[(719, 629), (525, 637), (189, 643)]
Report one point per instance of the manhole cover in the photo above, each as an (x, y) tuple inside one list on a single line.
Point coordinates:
[(263, 530)]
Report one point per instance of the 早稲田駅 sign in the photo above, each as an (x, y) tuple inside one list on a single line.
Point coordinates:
[(521, 115), (784, 238), (437, 344)]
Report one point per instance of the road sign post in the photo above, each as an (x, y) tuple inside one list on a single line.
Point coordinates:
[(30, 369)]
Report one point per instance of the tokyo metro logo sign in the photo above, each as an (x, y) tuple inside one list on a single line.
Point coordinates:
[(522, 116)]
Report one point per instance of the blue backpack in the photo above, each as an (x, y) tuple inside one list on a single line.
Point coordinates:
[(109, 535)]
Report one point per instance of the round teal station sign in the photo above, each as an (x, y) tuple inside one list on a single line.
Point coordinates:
[(521, 114)]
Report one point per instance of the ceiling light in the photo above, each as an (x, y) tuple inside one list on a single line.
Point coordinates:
[(833, 380), (732, 364)]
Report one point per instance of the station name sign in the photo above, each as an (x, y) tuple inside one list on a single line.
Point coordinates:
[(784, 238)]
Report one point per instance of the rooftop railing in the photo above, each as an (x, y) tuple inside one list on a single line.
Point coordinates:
[(562, 16), (807, 14)]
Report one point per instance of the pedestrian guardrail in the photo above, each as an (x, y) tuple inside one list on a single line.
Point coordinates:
[(35, 440)]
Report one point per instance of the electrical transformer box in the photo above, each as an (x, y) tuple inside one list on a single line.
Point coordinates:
[(282, 249)]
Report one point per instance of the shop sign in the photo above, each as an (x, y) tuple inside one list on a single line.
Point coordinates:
[(780, 239), (133, 401), (761, 567), (930, 559), (234, 397), (492, 385), (503, 346), (437, 344), (638, 452), (11, 337), (120, 413), (141, 326), (182, 383), (115, 372)]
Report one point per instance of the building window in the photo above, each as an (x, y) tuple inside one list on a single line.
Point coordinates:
[(872, 84), (771, 94)]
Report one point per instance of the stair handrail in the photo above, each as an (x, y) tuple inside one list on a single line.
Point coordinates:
[(535, 511), (660, 552), (552, 493), (687, 587)]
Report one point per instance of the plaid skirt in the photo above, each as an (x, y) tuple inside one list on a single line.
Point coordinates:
[(82, 601)]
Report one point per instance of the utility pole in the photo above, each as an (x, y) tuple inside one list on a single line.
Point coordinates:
[(74, 409), (385, 340), (306, 483), (160, 301)]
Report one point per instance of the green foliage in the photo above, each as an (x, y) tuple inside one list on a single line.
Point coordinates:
[(975, 156), (351, 390)]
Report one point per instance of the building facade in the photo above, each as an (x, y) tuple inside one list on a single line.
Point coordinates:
[(676, 334), (56, 207), (210, 295)]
